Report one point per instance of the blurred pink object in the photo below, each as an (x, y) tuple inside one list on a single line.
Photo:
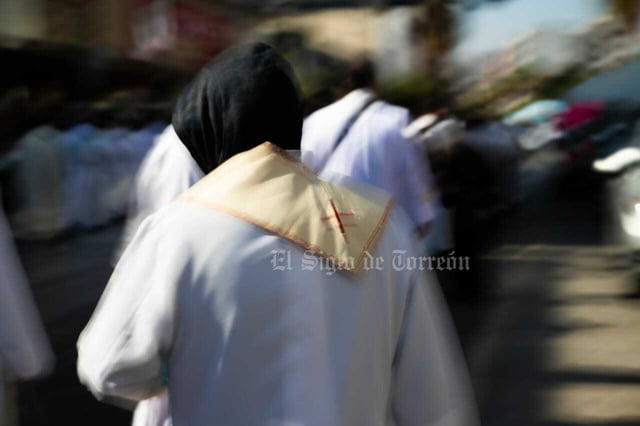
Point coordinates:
[(579, 113)]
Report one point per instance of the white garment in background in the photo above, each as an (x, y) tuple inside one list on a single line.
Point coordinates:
[(373, 151), (24, 348), (97, 175), (36, 188), (166, 172), (442, 136), (128, 154), (100, 166), (428, 137), (73, 143), (248, 344)]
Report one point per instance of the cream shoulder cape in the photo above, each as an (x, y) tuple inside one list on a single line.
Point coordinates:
[(269, 189)]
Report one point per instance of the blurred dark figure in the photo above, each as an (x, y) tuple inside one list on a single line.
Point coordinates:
[(474, 164)]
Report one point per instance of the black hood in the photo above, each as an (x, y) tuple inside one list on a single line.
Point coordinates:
[(245, 96)]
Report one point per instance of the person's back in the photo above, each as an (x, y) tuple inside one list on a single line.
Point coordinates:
[(290, 339), (309, 348), (360, 136), (373, 142), (229, 295), (166, 171)]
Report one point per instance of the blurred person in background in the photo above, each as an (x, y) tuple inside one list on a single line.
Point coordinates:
[(464, 181), (213, 290), (475, 167), (25, 352), (361, 136)]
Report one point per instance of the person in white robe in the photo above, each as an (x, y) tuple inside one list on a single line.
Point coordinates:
[(25, 352), (361, 136), (265, 295), (74, 144), (166, 172), (429, 132), (126, 158), (36, 184)]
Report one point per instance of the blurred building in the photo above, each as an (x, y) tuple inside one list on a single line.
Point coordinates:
[(597, 34), (95, 23), (23, 19), (253, 7), (143, 45), (385, 35), (545, 51), (181, 31), (607, 45), (177, 32), (538, 52), (344, 33), (497, 65), (186, 33), (397, 52)]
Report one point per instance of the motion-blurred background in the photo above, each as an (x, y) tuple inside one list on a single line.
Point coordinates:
[(544, 190)]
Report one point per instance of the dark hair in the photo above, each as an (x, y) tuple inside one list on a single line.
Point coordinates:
[(244, 97), (362, 74)]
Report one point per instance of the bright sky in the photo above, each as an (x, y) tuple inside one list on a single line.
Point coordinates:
[(494, 25)]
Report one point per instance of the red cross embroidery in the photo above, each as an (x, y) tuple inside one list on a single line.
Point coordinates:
[(338, 217)]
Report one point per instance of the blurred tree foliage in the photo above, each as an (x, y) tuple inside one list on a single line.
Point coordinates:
[(521, 87), (627, 11), (437, 27), (557, 85), (417, 92)]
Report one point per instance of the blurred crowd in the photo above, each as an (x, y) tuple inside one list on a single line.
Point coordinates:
[(75, 178)]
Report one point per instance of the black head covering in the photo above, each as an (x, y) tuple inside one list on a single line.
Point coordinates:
[(245, 96)]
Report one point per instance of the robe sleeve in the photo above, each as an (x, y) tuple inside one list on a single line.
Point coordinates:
[(431, 385), (410, 180), (422, 202), (122, 351)]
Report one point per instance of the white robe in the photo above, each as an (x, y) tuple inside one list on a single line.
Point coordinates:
[(126, 157), (373, 151), (166, 172), (37, 185), (72, 142), (24, 348), (248, 343)]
